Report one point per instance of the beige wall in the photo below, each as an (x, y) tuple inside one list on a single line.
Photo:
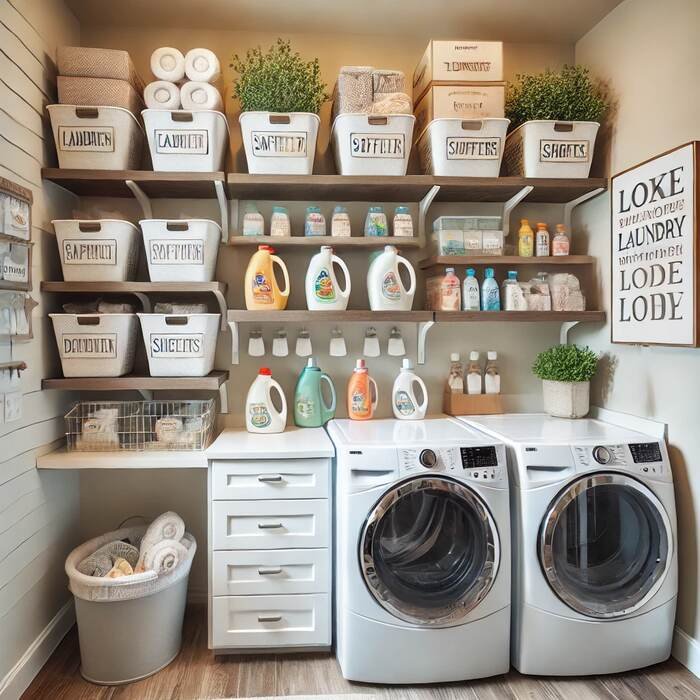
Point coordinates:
[(649, 53)]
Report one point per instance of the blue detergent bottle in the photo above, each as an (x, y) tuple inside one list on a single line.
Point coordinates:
[(490, 292), (310, 410)]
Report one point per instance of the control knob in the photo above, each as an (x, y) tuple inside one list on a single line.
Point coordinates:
[(602, 455), (428, 459)]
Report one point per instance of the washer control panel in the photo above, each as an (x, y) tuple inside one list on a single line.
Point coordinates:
[(478, 463), (643, 458)]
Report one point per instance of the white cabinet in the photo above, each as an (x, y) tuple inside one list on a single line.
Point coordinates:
[(270, 567)]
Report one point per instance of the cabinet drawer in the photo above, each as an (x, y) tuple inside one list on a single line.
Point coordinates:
[(271, 621), (261, 479), (270, 524), (271, 572)]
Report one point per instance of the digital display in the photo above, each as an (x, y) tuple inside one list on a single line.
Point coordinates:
[(477, 457), (645, 452)]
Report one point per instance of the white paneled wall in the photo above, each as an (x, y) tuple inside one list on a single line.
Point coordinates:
[(39, 511)]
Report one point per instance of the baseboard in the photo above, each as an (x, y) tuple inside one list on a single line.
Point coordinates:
[(23, 672), (686, 650)]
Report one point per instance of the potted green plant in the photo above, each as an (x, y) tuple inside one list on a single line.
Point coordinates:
[(566, 372), (554, 117), (280, 95)]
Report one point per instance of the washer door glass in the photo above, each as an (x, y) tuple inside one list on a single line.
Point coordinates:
[(429, 551), (605, 545)]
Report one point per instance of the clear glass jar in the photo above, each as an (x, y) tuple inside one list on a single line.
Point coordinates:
[(279, 223), (315, 222), (376, 223), (403, 222), (340, 222)]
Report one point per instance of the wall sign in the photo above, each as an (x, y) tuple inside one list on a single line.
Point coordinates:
[(655, 253)]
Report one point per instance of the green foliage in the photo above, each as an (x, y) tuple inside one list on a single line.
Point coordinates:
[(278, 81), (566, 363), (567, 96)]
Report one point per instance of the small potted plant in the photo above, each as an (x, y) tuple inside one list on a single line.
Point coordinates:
[(280, 96), (554, 119), (566, 372)]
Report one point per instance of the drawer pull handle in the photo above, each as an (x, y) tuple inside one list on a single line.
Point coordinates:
[(270, 478), (270, 571), (269, 618), (269, 526)]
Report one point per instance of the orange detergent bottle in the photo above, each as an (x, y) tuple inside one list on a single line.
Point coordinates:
[(360, 403), (262, 292)]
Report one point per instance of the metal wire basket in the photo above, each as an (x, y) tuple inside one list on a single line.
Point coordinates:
[(101, 426)]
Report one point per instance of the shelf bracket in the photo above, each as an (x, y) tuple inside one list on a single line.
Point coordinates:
[(141, 198), (423, 207), (145, 302), (511, 204), (223, 398), (223, 207), (570, 206), (423, 329), (233, 217), (233, 325), (221, 301), (146, 394), (564, 331)]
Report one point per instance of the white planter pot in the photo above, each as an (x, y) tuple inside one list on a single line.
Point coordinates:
[(566, 399), (279, 144), (551, 149)]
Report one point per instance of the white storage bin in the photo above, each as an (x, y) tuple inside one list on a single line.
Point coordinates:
[(368, 144), (180, 346), (96, 138), (550, 148), (279, 144), (95, 345), (182, 141), (182, 250), (99, 250), (463, 148)]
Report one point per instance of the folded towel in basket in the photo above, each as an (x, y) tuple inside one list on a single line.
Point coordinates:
[(168, 526), (164, 556), (102, 560), (121, 568)]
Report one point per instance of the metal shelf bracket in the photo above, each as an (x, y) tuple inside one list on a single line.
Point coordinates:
[(221, 301), (511, 204), (423, 329), (223, 209), (423, 207), (235, 359), (570, 206), (223, 398), (146, 394), (145, 302), (564, 331), (141, 198)]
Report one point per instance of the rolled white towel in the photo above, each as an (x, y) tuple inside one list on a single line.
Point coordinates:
[(168, 526), (199, 95), (168, 63), (164, 556), (162, 94), (202, 65)]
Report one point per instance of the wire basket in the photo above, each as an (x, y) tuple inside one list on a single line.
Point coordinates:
[(104, 426)]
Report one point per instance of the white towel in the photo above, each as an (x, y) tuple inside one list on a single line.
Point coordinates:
[(196, 94), (162, 94), (202, 65), (164, 556), (168, 63), (168, 526)]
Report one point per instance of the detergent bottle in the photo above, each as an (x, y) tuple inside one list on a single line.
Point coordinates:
[(310, 410), (403, 398), (360, 403), (261, 416), (262, 292), (322, 288), (384, 286)]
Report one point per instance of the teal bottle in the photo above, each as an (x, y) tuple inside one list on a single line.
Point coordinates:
[(310, 410)]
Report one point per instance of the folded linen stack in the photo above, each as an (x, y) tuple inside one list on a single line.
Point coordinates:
[(366, 90)]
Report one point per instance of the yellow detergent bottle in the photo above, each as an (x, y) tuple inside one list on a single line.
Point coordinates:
[(262, 292)]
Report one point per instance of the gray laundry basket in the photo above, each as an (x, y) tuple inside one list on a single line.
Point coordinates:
[(129, 627)]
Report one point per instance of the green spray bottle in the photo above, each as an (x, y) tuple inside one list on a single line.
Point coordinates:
[(310, 410)]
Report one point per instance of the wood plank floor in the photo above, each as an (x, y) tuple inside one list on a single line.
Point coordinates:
[(198, 675)]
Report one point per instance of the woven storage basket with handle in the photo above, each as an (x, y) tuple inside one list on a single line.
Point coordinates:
[(105, 92), (81, 61)]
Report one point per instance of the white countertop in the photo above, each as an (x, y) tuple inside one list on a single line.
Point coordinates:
[(123, 459), (293, 443)]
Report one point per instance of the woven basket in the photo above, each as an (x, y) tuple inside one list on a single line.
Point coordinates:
[(106, 92), (80, 61)]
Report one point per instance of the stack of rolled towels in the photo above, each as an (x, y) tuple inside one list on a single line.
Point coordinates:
[(184, 81), (368, 90)]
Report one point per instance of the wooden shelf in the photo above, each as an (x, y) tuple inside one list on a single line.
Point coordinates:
[(131, 382), (123, 459), (517, 316), (511, 260), (133, 287), (359, 316), (335, 241)]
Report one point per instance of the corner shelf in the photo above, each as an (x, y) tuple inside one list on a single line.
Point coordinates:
[(510, 260), (335, 241)]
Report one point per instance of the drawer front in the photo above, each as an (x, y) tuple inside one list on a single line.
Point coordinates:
[(271, 572), (271, 621), (270, 524), (263, 479)]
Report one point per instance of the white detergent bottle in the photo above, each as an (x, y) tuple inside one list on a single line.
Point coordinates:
[(261, 416), (385, 289), (322, 288), (403, 396)]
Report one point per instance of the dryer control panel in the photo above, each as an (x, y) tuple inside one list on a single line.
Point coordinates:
[(644, 458), (478, 463)]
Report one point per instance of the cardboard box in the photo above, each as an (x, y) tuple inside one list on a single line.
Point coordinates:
[(471, 404), (458, 61)]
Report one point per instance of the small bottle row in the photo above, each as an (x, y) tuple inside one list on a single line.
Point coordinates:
[(476, 380)]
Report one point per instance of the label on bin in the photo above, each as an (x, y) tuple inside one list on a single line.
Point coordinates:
[(175, 345), (473, 148), (176, 251), (89, 251), (279, 144), (88, 345), (377, 145), (94, 139), (555, 151), (182, 141), (15, 265)]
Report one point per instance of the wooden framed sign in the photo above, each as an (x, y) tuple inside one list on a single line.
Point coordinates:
[(655, 250)]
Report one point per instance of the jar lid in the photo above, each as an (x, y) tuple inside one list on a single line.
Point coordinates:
[(313, 210), (279, 210), (376, 210), (401, 210), (340, 210)]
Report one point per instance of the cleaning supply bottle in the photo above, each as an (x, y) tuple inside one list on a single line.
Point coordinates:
[(561, 244), (492, 377), (403, 395), (261, 416), (310, 409), (455, 379), (542, 241), (513, 297), (470, 292), (525, 239), (322, 288), (450, 291), (490, 294), (474, 375), (360, 403), (384, 286), (261, 290)]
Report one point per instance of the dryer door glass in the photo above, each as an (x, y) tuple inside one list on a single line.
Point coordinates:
[(605, 545), (429, 551)]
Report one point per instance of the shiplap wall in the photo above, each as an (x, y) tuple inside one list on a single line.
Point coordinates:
[(39, 511)]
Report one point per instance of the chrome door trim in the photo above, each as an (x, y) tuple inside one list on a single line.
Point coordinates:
[(551, 519), (435, 616)]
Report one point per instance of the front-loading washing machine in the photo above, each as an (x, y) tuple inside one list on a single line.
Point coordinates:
[(594, 544), (422, 551)]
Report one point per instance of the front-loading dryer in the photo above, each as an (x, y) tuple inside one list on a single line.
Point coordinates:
[(422, 551)]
